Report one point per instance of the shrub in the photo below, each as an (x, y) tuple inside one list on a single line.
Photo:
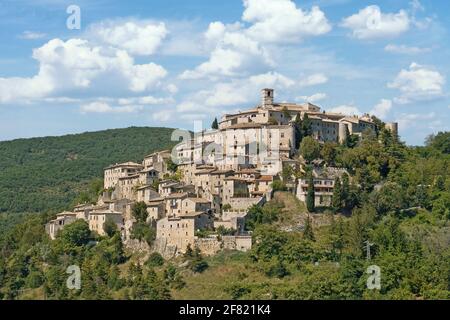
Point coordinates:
[(155, 260)]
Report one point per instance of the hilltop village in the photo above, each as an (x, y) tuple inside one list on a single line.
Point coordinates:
[(199, 194)]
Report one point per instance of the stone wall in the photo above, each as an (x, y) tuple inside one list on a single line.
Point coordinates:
[(243, 203), (212, 245)]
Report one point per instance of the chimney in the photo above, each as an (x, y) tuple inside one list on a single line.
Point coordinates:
[(267, 98)]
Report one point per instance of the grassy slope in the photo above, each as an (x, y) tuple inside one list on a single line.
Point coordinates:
[(228, 268), (42, 174)]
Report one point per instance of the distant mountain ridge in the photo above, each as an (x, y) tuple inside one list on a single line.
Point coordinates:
[(40, 174)]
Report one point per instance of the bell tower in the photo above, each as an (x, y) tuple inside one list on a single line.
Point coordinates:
[(267, 98)]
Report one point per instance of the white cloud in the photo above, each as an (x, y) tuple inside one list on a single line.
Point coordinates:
[(418, 83), (234, 53), (370, 23), (138, 38), (162, 116), (240, 49), (281, 21), (31, 35), (381, 110), (416, 6), (313, 98), (146, 100), (313, 80), (406, 120), (103, 107), (62, 100), (77, 65), (171, 88), (346, 109), (402, 49), (234, 93)]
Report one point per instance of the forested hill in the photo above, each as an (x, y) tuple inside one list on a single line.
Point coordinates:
[(47, 173)]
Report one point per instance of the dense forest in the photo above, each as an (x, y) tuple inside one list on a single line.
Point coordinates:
[(48, 173), (396, 198)]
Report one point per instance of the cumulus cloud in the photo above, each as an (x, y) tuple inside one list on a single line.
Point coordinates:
[(241, 48), (346, 109), (77, 64), (370, 23), (233, 53), (103, 107), (232, 93), (402, 49), (136, 37), (281, 21), (313, 80), (313, 98), (418, 83), (382, 109)]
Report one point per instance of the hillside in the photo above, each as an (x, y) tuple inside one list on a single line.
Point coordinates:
[(397, 199), (47, 173)]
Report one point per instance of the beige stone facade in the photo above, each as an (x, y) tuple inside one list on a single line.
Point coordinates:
[(114, 172), (97, 220), (62, 219), (324, 179), (180, 231)]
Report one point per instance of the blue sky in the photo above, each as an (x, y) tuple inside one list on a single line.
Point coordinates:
[(168, 63)]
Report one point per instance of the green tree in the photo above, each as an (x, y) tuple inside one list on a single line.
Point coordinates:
[(110, 227), (337, 199), (308, 232), (306, 126), (310, 149), (337, 235), (171, 166), (278, 185), (286, 113), (143, 232), (440, 142), (75, 234), (155, 260), (139, 211), (328, 152), (215, 124), (311, 195)]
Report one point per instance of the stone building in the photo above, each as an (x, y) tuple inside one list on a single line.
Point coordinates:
[(323, 185), (97, 220), (180, 231), (122, 170), (62, 219)]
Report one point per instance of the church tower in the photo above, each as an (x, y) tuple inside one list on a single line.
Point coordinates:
[(267, 98)]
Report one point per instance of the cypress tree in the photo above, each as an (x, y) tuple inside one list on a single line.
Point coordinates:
[(306, 126), (345, 191), (215, 124), (308, 233), (337, 199), (310, 197)]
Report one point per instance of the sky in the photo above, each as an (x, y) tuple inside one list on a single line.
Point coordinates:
[(169, 62)]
